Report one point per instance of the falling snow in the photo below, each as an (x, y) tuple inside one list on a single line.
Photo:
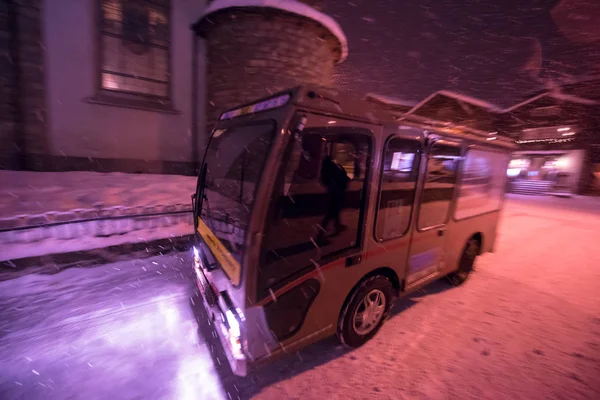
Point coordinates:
[(474, 47), (525, 326)]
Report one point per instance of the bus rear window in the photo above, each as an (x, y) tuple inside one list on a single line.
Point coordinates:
[(482, 183)]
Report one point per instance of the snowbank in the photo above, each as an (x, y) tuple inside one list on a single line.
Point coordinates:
[(291, 6), (54, 244), (59, 212), (29, 193)]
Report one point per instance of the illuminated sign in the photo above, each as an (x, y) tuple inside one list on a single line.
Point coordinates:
[(269, 104), (544, 141), (513, 172)]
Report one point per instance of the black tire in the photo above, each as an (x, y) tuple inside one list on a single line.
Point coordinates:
[(465, 265), (346, 329)]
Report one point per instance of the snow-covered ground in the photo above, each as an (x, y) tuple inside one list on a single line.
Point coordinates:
[(525, 326), (120, 331), (25, 192)]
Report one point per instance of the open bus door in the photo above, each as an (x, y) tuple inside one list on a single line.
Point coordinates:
[(309, 231)]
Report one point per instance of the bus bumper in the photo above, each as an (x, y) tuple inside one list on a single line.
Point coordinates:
[(225, 324)]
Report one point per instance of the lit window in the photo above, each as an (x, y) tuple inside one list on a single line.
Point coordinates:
[(134, 47), (402, 161)]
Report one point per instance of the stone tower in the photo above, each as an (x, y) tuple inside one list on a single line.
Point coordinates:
[(23, 135), (259, 47)]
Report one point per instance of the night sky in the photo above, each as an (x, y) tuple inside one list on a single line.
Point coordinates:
[(411, 48)]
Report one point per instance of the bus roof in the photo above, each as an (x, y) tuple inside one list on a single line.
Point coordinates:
[(340, 103)]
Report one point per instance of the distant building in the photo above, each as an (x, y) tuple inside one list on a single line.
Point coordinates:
[(127, 85), (558, 132), (460, 110)]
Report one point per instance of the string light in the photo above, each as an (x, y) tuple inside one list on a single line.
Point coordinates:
[(544, 141)]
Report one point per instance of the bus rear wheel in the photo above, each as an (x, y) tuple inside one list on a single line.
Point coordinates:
[(364, 313), (465, 265)]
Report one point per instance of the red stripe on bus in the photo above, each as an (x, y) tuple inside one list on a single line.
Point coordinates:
[(382, 248), (298, 281), (373, 253)]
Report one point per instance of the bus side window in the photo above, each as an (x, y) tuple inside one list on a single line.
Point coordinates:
[(317, 212), (400, 170), (440, 181), (482, 183)]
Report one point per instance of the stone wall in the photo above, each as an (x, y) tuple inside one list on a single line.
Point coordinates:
[(22, 102), (9, 154), (252, 54), (32, 82)]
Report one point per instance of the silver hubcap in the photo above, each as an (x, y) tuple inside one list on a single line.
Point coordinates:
[(369, 312)]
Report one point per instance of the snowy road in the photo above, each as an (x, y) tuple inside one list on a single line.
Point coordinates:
[(526, 326), (120, 331)]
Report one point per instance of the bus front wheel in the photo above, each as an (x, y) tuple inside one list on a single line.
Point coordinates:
[(366, 310), (465, 265)]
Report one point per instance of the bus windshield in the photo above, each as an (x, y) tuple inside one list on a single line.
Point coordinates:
[(234, 163)]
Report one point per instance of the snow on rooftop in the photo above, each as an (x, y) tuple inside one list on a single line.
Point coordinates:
[(291, 6), (581, 79), (390, 100), (557, 94), (572, 98), (468, 99)]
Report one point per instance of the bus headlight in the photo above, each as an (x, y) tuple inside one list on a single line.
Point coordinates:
[(234, 336), (196, 258)]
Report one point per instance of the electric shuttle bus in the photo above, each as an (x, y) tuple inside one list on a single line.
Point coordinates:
[(314, 210)]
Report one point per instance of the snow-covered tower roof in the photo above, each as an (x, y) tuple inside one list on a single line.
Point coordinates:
[(300, 8)]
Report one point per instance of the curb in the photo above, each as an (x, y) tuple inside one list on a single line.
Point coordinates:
[(53, 263), (71, 225), (52, 218)]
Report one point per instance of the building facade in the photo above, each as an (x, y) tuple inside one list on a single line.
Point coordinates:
[(136, 85), (128, 85), (558, 133)]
